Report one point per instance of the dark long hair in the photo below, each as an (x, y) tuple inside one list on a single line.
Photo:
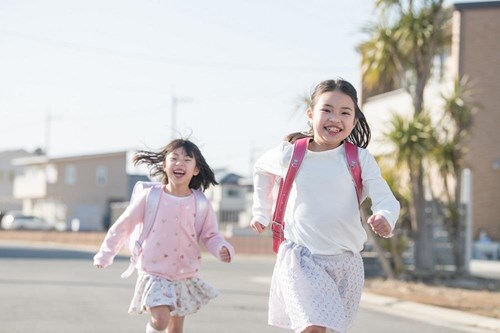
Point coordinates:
[(361, 134), (155, 161)]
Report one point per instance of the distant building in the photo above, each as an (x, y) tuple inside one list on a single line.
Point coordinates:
[(229, 197), (94, 189), (477, 55), (73, 189), (8, 173)]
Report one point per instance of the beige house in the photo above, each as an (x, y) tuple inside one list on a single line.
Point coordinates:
[(77, 190), (476, 54)]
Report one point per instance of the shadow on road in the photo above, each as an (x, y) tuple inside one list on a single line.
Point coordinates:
[(12, 252)]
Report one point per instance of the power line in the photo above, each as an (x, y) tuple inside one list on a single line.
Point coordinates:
[(161, 59)]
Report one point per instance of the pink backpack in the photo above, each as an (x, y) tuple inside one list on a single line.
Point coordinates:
[(142, 230), (299, 151)]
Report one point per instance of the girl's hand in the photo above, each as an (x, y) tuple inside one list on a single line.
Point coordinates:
[(380, 226), (224, 254), (257, 226)]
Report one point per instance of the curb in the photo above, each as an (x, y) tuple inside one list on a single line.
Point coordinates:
[(454, 319)]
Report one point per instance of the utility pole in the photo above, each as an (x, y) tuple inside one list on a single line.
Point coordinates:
[(48, 130), (174, 104)]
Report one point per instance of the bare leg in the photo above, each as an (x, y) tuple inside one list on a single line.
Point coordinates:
[(314, 329), (160, 317), (175, 325)]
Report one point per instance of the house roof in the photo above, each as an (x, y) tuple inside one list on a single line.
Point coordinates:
[(10, 154), (225, 177), (34, 160), (482, 4)]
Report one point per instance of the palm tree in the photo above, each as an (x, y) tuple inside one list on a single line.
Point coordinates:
[(412, 141), (400, 52), (459, 108)]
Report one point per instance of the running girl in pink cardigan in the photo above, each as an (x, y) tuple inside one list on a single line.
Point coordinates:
[(167, 284)]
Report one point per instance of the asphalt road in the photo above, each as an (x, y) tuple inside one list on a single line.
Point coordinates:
[(58, 290)]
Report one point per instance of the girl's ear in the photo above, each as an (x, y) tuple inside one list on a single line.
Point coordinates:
[(196, 171), (309, 114)]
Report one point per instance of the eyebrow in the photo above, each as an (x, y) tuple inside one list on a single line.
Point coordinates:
[(342, 107), (185, 155)]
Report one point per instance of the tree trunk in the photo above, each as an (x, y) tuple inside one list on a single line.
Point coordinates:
[(424, 261), (396, 256)]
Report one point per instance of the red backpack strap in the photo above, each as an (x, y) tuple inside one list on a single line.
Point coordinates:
[(278, 224), (351, 152)]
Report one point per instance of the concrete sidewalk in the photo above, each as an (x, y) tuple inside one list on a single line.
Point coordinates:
[(486, 269), (431, 314)]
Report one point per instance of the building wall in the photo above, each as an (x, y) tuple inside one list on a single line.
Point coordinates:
[(479, 59), (86, 188), (86, 199), (228, 201)]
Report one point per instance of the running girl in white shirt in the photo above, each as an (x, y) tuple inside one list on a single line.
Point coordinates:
[(318, 276)]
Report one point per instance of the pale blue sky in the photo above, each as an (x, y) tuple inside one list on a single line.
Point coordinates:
[(106, 70)]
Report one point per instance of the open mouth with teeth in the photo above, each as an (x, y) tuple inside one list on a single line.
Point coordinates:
[(179, 173), (333, 129)]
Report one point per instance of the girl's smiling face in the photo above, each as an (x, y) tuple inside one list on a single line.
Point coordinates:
[(332, 119), (180, 169)]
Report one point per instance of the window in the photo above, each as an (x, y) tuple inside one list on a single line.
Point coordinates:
[(51, 173), (232, 193), (70, 176), (229, 215), (101, 176)]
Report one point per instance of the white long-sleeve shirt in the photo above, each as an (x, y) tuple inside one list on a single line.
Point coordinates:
[(322, 213)]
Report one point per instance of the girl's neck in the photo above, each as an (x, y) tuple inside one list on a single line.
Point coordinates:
[(177, 191), (318, 146)]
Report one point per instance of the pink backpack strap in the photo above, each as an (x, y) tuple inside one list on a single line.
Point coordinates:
[(152, 202), (351, 152), (201, 211), (278, 224)]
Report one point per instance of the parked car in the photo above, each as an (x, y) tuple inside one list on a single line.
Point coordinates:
[(19, 221)]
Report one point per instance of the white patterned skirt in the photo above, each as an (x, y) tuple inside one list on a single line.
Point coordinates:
[(320, 290), (183, 297)]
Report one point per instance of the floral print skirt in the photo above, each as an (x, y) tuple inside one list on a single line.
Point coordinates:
[(183, 297), (321, 290)]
